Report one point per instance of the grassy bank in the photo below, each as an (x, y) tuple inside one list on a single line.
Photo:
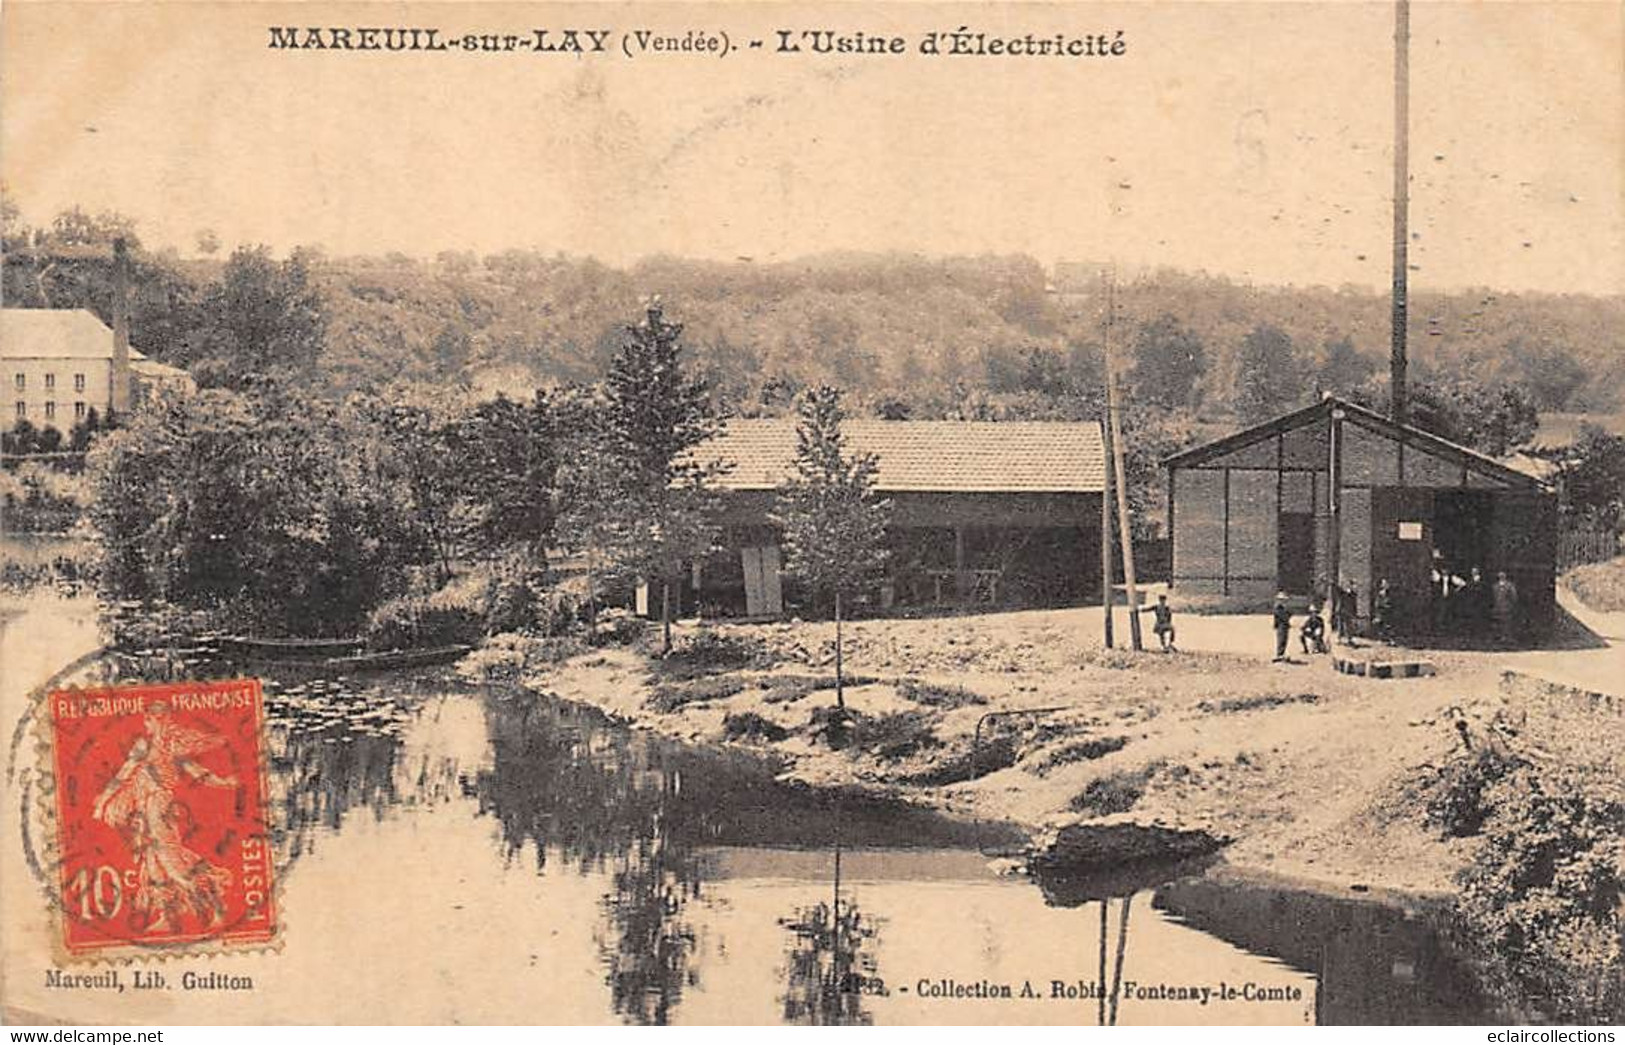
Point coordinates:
[(1601, 586), (1419, 787), (1024, 717)]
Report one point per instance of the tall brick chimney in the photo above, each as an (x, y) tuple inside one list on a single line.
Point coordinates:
[(121, 328)]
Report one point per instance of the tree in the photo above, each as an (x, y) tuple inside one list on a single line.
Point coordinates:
[(1169, 363), (262, 319), (1267, 381), (268, 510), (420, 458), (1343, 369), (22, 439), (76, 227), (655, 416), (834, 523), (13, 232), (1591, 476), (1493, 419), (79, 437), (590, 513), (208, 242), (1553, 376)]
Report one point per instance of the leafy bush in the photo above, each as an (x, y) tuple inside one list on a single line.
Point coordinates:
[(558, 611), (892, 736), (668, 697), (972, 763), (787, 689), (38, 499), (712, 652), (1545, 892), (513, 587), (1085, 749), (617, 627), (748, 725), (1455, 802), (933, 695), (503, 658), (442, 619), (1115, 793)]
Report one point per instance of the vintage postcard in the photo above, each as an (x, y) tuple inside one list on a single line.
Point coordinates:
[(736, 513)]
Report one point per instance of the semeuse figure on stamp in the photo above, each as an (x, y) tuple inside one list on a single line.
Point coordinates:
[(141, 804)]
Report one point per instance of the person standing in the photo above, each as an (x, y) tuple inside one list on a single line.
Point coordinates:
[(1504, 605), (1164, 626), (1382, 611), (1347, 607), (1283, 626)]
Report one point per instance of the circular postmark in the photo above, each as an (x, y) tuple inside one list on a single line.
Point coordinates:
[(144, 814)]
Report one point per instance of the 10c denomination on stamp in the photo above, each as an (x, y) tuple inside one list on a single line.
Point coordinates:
[(160, 809)]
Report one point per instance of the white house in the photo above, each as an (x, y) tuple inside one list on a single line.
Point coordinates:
[(58, 364)]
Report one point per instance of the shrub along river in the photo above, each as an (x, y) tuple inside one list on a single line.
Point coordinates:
[(457, 853)]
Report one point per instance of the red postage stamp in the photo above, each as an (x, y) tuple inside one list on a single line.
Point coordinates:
[(160, 804)]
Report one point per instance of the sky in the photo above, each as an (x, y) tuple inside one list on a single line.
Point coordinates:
[(1246, 139)]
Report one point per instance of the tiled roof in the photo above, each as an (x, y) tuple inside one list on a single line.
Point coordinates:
[(55, 333), (937, 456)]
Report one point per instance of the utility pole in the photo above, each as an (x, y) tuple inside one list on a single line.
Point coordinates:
[(1106, 596), (1402, 132), (1116, 438)]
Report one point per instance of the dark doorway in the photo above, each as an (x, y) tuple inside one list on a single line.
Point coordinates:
[(1295, 553), (1462, 572)]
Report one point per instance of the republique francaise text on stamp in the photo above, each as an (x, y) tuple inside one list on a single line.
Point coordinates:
[(160, 807)]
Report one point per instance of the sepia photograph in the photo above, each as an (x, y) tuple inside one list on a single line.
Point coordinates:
[(759, 514)]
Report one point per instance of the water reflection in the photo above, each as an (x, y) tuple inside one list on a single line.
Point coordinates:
[(649, 948), (334, 747), (828, 970), (1376, 964), (565, 784), (646, 882)]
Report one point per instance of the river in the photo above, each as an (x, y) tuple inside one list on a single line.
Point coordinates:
[(472, 854)]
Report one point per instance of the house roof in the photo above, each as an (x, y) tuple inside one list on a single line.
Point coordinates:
[(55, 333), (928, 456), (1370, 419)]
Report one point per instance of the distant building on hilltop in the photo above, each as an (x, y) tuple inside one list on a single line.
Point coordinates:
[(59, 364)]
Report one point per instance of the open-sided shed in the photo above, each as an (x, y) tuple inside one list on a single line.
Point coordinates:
[(1272, 508), (986, 513)]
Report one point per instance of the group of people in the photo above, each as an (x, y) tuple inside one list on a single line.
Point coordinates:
[(1345, 607), (1469, 603), (1344, 600)]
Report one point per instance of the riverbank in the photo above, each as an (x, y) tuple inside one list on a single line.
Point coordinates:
[(1299, 771)]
